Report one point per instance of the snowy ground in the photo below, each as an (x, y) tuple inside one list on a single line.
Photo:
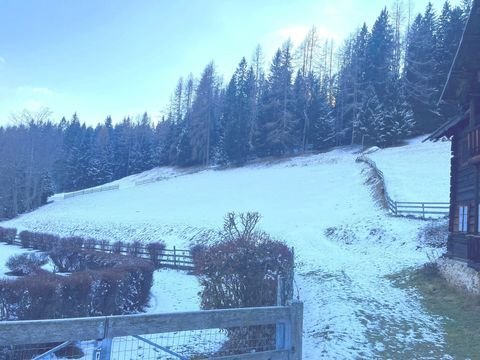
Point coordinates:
[(167, 285), (418, 172), (345, 244)]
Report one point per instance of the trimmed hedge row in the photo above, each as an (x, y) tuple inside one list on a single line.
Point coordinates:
[(106, 284), (101, 283), (49, 242)]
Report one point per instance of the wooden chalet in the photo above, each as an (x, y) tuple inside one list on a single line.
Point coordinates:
[(463, 88)]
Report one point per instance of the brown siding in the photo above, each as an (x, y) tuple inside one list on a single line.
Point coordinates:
[(462, 193), (458, 246)]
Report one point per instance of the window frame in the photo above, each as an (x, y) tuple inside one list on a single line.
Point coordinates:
[(463, 218)]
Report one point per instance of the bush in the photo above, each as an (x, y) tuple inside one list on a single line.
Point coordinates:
[(108, 285), (25, 264), (117, 247), (45, 242), (27, 239), (104, 245), (155, 250), (8, 235), (65, 255), (100, 284), (134, 248), (90, 244), (241, 269)]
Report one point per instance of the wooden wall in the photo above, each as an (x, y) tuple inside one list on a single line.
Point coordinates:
[(463, 192)]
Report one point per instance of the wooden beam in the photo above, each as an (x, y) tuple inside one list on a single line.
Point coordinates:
[(212, 319), (267, 355), (49, 331)]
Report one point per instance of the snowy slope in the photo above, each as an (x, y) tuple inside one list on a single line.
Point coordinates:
[(345, 244), (418, 172)]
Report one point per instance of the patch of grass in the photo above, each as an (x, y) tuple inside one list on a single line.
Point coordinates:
[(460, 312)]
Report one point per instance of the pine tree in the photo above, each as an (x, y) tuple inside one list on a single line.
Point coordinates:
[(352, 83), (320, 135), (422, 89), (380, 57), (277, 123), (141, 156), (102, 162), (123, 142), (370, 118), (237, 114), (201, 129)]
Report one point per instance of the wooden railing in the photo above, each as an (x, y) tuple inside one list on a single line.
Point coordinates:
[(176, 335), (407, 208), (91, 191), (179, 259), (420, 209)]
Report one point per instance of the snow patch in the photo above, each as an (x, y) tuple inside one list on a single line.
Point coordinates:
[(458, 274)]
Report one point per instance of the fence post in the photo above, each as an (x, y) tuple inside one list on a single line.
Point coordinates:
[(423, 210), (280, 328), (296, 330), (396, 208), (103, 350), (280, 290), (103, 347), (174, 257)]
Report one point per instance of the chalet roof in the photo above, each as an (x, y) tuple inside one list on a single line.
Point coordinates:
[(446, 129), (467, 59)]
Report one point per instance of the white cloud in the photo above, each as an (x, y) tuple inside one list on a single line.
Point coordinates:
[(296, 33), (35, 91)]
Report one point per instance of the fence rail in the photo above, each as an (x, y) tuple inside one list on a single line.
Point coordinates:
[(407, 208), (91, 191), (248, 333), (150, 181), (179, 259)]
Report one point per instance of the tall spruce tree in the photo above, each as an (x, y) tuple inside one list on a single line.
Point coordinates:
[(200, 130), (421, 84), (237, 114), (277, 121)]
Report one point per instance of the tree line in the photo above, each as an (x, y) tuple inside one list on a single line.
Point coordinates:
[(381, 86)]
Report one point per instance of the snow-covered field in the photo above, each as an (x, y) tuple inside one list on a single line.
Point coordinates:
[(418, 172), (345, 244)]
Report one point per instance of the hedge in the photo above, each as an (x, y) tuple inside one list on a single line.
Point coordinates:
[(107, 284), (241, 270), (8, 235)]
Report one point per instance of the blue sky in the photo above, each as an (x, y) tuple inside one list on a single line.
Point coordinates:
[(124, 57)]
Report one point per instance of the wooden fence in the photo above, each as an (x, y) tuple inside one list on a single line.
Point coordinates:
[(407, 208), (150, 181), (91, 191), (190, 335), (179, 259)]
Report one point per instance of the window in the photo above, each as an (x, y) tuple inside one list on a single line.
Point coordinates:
[(463, 218)]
